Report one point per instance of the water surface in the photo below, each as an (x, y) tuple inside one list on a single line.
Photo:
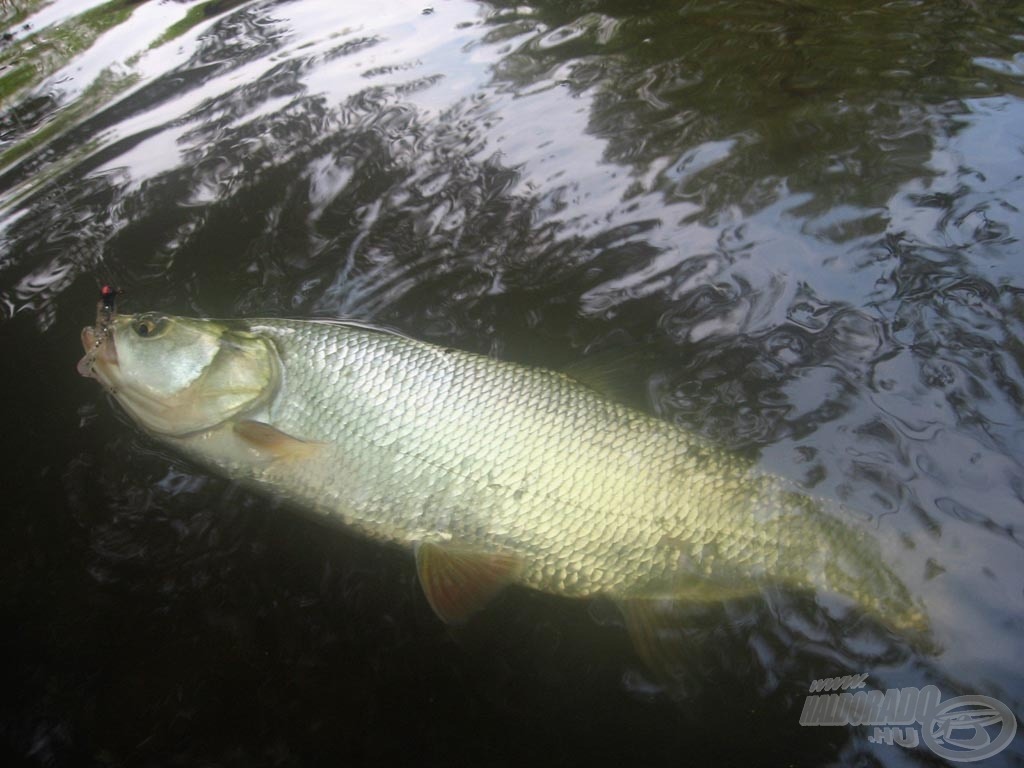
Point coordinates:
[(807, 215)]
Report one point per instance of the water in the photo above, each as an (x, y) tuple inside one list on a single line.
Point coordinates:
[(807, 214)]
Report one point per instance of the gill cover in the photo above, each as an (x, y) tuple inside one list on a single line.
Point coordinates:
[(179, 375)]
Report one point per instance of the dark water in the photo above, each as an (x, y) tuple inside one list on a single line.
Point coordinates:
[(808, 214)]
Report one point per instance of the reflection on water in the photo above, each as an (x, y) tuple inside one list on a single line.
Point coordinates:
[(806, 214)]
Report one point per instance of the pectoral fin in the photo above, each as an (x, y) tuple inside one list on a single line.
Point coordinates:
[(272, 442), (459, 581)]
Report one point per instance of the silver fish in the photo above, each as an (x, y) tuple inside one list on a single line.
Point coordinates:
[(493, 473)]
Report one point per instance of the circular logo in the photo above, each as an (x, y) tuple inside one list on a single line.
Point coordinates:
[(958, 728)]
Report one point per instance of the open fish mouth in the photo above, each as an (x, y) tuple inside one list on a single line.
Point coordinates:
[(100, 351)]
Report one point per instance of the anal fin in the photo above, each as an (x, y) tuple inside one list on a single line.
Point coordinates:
[(657, 637), (668, 625), (458, 581)]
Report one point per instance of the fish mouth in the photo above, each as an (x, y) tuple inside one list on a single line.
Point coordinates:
[(100, 352)]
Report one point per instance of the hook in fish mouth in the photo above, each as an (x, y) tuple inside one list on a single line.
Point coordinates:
[(98, 343), (99, 351)]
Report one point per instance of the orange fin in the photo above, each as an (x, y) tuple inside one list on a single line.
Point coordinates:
[(458, 581), (274, 443)]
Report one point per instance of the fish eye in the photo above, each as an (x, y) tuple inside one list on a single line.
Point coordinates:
[(149, 326)]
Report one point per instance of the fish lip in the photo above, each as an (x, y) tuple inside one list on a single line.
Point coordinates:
[(100, 353)]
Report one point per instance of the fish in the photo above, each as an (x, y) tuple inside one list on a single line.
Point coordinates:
[(491, 473)]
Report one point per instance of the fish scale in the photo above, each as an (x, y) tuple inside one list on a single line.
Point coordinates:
[(428, 424), (421, 445)]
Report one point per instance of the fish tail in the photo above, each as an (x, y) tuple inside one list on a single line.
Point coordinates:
[(844, 560)]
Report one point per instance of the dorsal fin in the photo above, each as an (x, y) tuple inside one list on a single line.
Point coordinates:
[(615, 373)]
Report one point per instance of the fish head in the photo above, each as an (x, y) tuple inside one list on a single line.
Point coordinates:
[(178, 375)]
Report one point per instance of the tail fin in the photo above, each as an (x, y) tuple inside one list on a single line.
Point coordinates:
[(826, 554)]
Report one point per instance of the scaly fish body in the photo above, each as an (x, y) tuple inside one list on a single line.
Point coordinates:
[(566, 491)]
